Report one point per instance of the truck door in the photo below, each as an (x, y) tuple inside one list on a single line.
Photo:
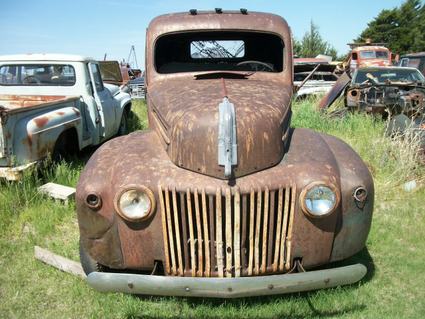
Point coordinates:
[(105, 103)]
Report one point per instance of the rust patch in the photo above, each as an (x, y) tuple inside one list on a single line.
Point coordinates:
[(41, 121)]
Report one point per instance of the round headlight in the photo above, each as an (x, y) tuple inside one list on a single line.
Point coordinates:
[(135, 204), (318, 200)]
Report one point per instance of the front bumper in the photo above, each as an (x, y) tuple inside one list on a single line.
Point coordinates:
[(226, 287)]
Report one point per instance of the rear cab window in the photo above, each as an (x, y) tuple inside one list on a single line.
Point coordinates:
[(37, 75)]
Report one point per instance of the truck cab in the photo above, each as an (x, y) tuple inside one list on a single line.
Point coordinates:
[(368, 54), (221, 197), (50, 101)]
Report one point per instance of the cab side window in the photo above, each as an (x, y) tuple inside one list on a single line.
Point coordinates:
[(94, 68)]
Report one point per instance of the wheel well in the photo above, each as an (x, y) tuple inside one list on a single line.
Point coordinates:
[(68, 138), (127, 108)]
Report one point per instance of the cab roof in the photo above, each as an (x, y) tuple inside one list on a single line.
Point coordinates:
[(212, 20), (45, 57)]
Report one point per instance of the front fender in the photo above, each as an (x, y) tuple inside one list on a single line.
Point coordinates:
[(355, 221), (36, 135)]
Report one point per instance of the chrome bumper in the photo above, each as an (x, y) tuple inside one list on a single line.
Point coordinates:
[(225, 287)]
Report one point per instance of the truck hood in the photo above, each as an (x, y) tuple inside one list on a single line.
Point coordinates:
[(185, 112)]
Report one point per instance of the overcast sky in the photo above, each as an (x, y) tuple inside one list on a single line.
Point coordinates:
[(95, 27)]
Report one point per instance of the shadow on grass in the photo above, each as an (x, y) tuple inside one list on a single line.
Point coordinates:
[(308, 297)]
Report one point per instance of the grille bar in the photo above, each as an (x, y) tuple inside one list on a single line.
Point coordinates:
[(227, 234)]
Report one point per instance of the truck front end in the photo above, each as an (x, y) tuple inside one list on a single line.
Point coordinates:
[(221, 198)]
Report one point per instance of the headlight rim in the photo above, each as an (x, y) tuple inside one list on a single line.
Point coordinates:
[(141, 188), (307, 188)]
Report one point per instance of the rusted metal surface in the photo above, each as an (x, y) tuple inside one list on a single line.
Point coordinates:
[(336, 91), (211, 225)]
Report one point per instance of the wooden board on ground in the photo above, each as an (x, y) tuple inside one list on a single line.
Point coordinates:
[(59, 262), (57, 191)]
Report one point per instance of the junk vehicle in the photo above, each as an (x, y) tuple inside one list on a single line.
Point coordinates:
[(51, 103), (395, 92), (113, 73), (221, 197), (313, 77), (130, 80), (367, 54), (414, 60)]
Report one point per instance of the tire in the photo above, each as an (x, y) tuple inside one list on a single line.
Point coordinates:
[(88, 263), (123, 128)]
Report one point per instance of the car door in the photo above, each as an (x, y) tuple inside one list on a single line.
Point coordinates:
[(104, 101)]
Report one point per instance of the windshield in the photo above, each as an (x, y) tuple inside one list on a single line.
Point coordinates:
[(385, 75), (219, 51), (37, 75), (374, 54)]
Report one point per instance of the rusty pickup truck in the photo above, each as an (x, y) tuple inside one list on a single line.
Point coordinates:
[(221, 197), (52, 104)]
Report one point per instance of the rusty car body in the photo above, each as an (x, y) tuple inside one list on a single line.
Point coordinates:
[(397, 93), (221, 197), (313, 77), (414, 60), (52, 104), (366, 54), (130, 80)]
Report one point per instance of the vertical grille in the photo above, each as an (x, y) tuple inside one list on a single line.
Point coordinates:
[(227, 234)]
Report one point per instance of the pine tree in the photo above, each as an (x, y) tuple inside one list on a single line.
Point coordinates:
[(401, 28)]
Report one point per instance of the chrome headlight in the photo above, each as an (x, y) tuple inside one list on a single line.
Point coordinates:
[(135, 203), (319, 199)]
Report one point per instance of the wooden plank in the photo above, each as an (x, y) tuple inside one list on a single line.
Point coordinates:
[(237, 234), (206, 235), (229, 248), (251, 232), (199, 231), (177, 227), (164, 230), (219, 235), (265, 225), (59, 262), (191, 233), (57, 191)]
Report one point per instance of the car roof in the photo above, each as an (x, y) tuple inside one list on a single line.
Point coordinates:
[(46, 57)]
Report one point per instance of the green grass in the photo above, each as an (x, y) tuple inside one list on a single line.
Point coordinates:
[(395, 248)]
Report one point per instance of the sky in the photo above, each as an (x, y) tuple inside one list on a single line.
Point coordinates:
[(98, 27)]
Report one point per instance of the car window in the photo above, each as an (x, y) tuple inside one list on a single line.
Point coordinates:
[(97, 77), (37, 75), (370, 54), (220, 49)]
